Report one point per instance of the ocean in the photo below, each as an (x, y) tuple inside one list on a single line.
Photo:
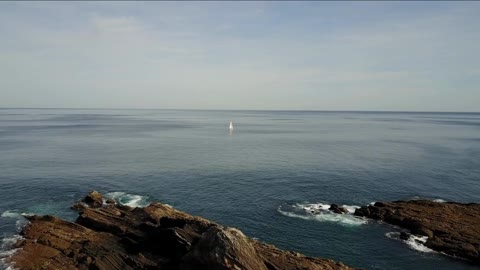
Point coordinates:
[(264, 177)]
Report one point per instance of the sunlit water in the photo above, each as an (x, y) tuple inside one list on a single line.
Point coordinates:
[(266, 177)]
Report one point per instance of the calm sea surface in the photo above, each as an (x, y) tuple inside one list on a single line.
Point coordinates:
[(261, 178)]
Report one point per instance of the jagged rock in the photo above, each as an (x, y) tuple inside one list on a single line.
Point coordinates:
[(337, 209), (94, 199), (79, 206), (451, 228), (154, 237)]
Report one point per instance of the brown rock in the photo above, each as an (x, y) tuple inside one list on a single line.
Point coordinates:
[(154, 237), (79, 206), (223, 248), (338, 209), (94, 199), (452, 228), (110, 201)]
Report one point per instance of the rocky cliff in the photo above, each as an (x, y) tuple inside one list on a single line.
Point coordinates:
[(111, 236)]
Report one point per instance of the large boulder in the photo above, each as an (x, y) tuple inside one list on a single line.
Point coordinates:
[(94, 199), (223, 248)]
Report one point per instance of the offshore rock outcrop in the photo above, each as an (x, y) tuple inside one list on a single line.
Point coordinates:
[(451, 228), (112, 236)]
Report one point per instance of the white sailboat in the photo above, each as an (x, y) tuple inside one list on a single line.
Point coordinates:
[(231, 126)]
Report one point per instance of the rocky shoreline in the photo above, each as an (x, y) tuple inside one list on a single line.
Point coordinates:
[(451, 228), (108, 236)]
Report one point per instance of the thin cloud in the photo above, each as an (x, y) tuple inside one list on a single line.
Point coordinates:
[(204, 55), (121, 24)]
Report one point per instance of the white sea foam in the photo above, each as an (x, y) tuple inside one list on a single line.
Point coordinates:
[(320, 212), (9, 241), (323, 207), (351, 208), (10, 214), (4, 255), (6, 247), (127, 199), (313, 207), (7, 251), (14, 214), (20, 221), (393, 235), (418, 243), (414, 241), (426, 198)]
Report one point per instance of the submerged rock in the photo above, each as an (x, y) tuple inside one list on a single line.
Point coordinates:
[(155, 237), (451, 228)]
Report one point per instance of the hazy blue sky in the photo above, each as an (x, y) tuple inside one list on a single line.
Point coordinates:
[(421, 56)]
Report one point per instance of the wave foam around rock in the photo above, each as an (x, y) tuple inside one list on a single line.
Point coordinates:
[(320, 212), (415, 242), (127, 199)]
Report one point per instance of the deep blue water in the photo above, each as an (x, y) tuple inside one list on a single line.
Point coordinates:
[(255, 178)]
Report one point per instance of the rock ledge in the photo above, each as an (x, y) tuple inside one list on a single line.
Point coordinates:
[(451, 228), (112, 236)]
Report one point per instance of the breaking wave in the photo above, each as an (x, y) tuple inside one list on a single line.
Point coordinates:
[(10, 214), (19, 217), (320, 212), (127, 199), (7, 250), (415, 242), (438, 200), (14, 214)]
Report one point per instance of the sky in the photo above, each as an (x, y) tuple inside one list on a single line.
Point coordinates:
[(373, 56)]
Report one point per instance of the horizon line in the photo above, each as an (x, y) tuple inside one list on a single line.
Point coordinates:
[(271, 110)]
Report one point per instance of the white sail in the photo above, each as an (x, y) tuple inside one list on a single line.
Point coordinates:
[(231, 126)]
